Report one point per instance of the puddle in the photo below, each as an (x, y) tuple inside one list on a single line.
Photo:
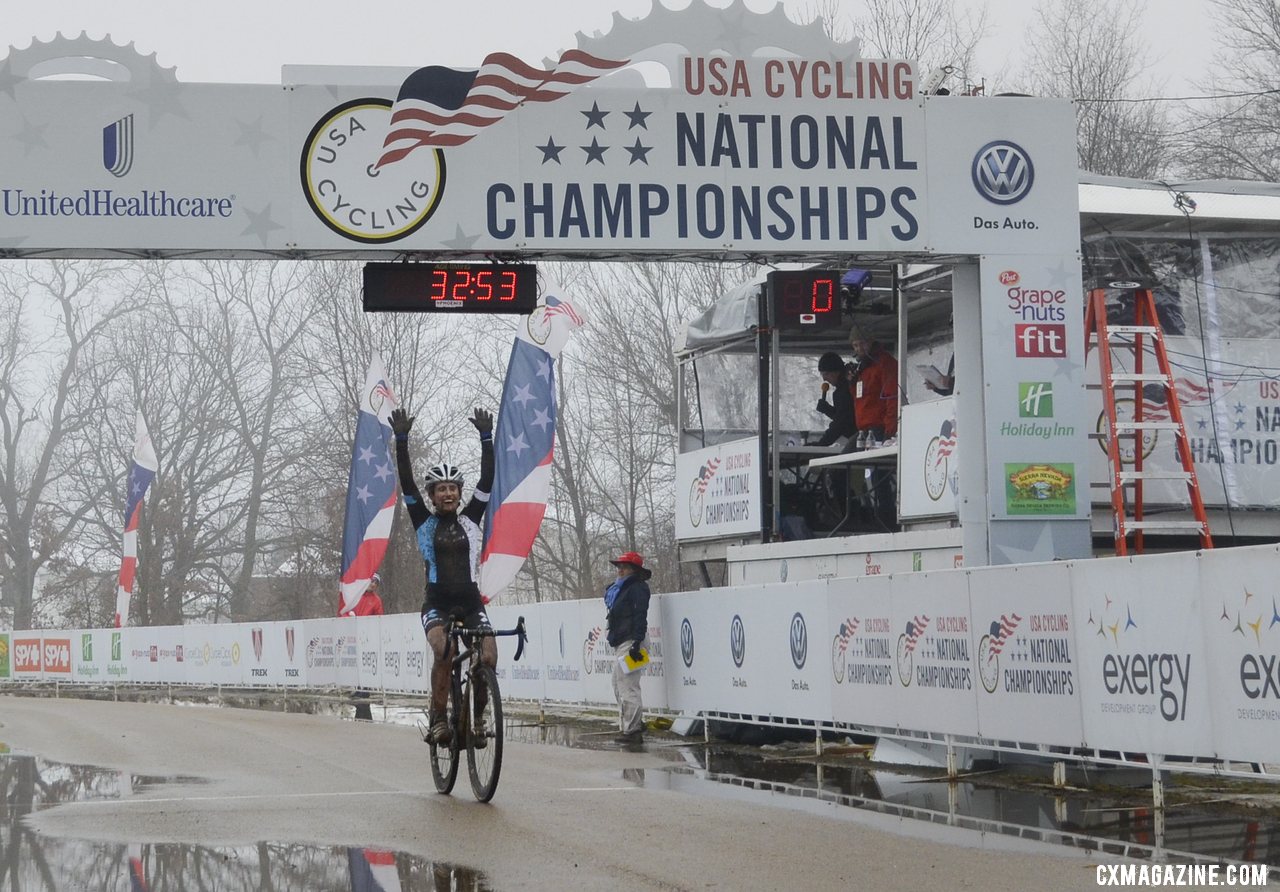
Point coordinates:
[(991, 811), (31, 861)]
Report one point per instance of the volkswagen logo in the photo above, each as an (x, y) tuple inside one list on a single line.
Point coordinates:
[(737, 641), (686, 643), (799, 641), (1003, 172)]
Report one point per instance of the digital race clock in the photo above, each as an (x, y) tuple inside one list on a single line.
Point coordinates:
[(450, 287), (804, 300)]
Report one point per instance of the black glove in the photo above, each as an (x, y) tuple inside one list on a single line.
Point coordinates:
[(483, 420), (822, 405), (634, 653), (401, 422)]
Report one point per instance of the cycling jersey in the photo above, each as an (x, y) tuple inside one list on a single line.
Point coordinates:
[(450, 543)]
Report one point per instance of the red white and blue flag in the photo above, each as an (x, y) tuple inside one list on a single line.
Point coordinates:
[(141, 474), (524, 444), (441, 107), (373, 870), (371, 489)]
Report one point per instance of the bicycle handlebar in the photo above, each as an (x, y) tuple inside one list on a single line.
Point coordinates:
[(459, 630)]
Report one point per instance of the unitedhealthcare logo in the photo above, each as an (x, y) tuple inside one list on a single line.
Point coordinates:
[(117, 146), (1003, 172)]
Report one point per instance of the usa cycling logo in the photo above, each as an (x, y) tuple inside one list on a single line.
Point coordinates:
[(686, 643), (737, 641), (1003, 172), (799, 641)]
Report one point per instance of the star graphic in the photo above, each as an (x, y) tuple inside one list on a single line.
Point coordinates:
[(522, 395), (260, 223), (551, 151), (8, 80), (1129, 623), (1240, 424), (544, 369), (363, 494), (31, 136), (460, 241), (1224, 612), (636, 117), (1090, 618), (1201, 423), (1247, 595), (383, 472), (1256, 625), (252, 135), (1108, 597), (136, 488), (638, 152), (517, 445), (366, 454), (595, 151), (595, 116), (161, 97), (1275, 614), (1238, 627), (1115, 631), (1239, 408), (1102, 631), (541, 418)]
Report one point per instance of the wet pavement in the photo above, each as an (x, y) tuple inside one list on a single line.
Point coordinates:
[(996, 810)]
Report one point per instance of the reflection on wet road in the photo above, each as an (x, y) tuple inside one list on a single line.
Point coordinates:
[(31, 861), (790, 777)]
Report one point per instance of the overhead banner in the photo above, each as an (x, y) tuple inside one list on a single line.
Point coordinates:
[(618, 144)]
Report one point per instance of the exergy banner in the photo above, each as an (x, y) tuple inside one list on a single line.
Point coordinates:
[(598, 153)]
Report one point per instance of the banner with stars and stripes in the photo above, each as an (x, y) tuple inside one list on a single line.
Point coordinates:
[(141, 473)]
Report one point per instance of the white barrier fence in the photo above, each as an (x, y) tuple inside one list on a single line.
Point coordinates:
[(1168, 654)]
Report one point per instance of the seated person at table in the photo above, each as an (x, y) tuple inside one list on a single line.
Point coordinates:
[(835, 375)]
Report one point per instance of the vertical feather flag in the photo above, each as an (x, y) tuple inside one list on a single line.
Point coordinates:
[(524, 444), (371, 489), (141, 474)]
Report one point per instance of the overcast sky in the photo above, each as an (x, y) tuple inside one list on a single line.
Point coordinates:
[(248, 41)]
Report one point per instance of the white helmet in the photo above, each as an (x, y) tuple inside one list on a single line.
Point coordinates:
[(443, 473)]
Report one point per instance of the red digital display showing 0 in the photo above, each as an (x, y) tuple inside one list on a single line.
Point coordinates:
[(805, 300), (450, 287)]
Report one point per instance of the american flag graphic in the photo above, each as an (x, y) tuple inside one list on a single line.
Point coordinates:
[(1001, 631), (524, 445), (915, 628), (371, 489), (705, 473), (141, 474), (946, 441), (848, 629), (443, 107)]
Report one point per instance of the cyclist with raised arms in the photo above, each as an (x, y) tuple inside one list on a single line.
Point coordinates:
[(450, 541)]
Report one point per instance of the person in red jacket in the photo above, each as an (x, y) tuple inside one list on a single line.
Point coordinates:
[(370, 604), (875, 411)]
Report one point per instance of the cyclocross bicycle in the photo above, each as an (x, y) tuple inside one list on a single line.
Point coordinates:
[(475, 712)]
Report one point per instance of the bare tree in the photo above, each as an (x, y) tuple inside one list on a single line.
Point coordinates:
[(51, 314), (1238, 136), (1092, 52)]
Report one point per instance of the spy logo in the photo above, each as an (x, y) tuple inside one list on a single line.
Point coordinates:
[(799, 641), (686, 643), (1003, 172), (347, 188), (1035, 399), (737, 641)]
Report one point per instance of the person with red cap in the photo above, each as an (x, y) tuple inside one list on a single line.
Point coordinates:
[(627, 602)]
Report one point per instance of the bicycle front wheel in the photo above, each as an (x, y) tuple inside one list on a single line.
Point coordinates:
[(444, 756), (484, 737)]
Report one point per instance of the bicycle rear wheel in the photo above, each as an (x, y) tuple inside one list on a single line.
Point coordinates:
[(444, 756), (484, 740)]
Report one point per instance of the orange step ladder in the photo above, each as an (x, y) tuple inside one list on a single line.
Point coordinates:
[(1108, 337)]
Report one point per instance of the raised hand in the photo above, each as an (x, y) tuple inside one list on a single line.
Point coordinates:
[(401, 422), (483, 421)]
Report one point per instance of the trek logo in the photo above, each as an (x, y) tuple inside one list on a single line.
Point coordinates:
[(1142, 675), (1040, 340), (737, 641), (1035, 399)]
